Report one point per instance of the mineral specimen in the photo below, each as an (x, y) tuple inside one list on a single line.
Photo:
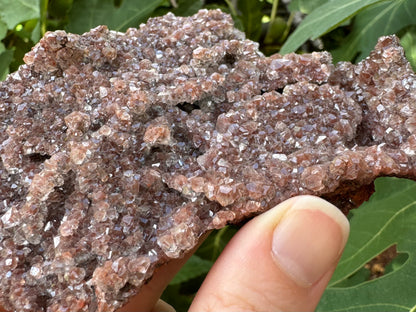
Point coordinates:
[(118, 151)]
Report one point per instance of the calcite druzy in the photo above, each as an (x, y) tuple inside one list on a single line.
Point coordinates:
[(119, 150)]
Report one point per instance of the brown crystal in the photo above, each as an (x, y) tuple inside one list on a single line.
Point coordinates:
[(118, 151)]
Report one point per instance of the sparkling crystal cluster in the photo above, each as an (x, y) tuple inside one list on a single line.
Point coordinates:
[(119, 150)]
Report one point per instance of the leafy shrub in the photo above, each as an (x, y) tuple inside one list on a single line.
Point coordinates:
[(349, 29)]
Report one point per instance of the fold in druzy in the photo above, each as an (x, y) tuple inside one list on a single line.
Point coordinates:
[(118, 151)]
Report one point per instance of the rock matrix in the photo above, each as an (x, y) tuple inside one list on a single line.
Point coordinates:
[(119, 150)]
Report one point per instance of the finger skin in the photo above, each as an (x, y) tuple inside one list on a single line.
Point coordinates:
[(247, 278)]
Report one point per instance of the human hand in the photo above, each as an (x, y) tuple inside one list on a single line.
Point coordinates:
[(281, 260)]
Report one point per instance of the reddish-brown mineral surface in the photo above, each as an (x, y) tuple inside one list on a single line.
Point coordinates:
[(118, 151)]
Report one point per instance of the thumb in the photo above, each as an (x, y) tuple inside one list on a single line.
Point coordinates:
[(281, 260)]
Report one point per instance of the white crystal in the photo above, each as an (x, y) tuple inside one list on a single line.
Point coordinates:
[(48, 226), (56, 241), (103, 92), (380, 108), (281, 157), (320, 138), (34, 271)]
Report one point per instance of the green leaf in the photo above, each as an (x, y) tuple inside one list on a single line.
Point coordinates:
[(251, 15), (385, 18), (408, 41), (174, 295), (59, 8), (396, 263), (215, 243), (187, 7), (389, 218), (358, 277), (21, 45), (35, 36), (3, 29), (3, 33), (87, 14), (6, 58), (275, 30), (13, 12), (305, 6), (194, 267), (26, 31), (184, 8), (323, 19)]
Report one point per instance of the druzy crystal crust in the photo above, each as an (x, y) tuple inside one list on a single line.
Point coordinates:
[(119, 150)]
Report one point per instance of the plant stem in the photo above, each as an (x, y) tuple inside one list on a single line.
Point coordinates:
[(231, 7), (217, 242), (274, 11), (43, 16), (174, 3), (288, 24), (273, 15)]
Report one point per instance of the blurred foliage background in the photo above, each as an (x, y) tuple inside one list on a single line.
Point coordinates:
[(348, 29)]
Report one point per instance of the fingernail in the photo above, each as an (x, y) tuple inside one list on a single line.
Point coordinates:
[(309, 239)]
